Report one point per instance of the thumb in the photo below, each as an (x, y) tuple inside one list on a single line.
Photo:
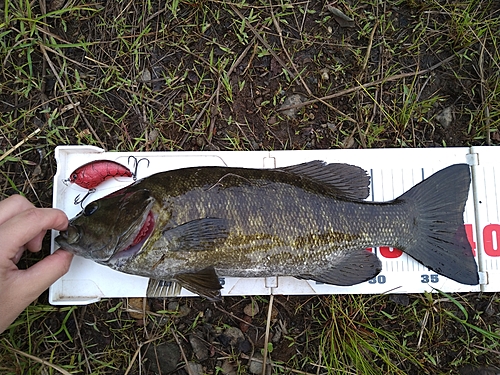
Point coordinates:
[(43, 274)]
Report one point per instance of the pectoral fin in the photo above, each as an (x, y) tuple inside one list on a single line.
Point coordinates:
[(354, 268), (204, 283), (197, 235)]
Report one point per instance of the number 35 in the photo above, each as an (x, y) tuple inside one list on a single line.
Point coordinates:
[(426, 278)]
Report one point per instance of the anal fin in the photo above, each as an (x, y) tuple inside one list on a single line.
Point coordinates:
[(354, 268), (204, 283)]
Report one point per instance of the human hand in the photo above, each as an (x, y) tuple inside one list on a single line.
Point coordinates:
[(22, 227)]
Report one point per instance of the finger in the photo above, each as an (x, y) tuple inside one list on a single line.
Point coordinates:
[(32, 282), (12, 206), (35, 244), (28, 225), (18, 255)]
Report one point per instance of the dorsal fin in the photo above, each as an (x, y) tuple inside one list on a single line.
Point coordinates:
[(347, 181)]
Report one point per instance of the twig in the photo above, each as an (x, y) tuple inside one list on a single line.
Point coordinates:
[(262, 40), (280, 34), (20, 143), (188, 368), (266, 338), (487, 349), (39, 360), (304, 17), (234, 316), (369, 49), (486, 108), (424, 323), (214, 95), (245, 356), (137, 353), (56, 75), (84, 349), (371, 84)]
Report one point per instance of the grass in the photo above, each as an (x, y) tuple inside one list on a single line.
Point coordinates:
[(213, 75)]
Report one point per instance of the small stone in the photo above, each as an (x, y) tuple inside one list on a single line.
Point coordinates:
[(173, 306), (153, 135), (331, 126), (227, 368), (135, 307), (195, 368), (292, 100), (55, 4), (208, 315), (245, 346), (339, 16), (200, 350), (166, 356), (274, 313), (445, 118), (324, 74), (255, 363), (478, 370), (348, 142), (277, 336), (200, 141), (146, 77), (251, 309), (400, 299), (183, 311), (233, 335), (180, 310), (490, 310), (244, 326)]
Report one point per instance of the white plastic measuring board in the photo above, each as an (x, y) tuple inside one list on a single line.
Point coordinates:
[(393, 171), (486, 185)]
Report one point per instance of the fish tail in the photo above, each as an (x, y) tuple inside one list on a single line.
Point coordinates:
[(441, 243)]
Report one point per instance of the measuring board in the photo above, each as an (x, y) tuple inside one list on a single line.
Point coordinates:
[(392, 171)]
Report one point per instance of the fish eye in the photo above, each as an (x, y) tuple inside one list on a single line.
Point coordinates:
[(90, 209)]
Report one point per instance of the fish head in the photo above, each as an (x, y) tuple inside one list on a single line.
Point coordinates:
[(113, 226)]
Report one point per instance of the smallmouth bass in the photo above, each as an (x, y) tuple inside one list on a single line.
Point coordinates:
[(192, 225)]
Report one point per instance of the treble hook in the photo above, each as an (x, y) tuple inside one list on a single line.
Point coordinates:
[(79, 201), (136, 165)]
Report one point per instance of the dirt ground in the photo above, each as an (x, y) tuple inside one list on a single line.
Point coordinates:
[(214, 75)]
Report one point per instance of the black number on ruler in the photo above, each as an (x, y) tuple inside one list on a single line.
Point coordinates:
[(380, 279), (429, 278)]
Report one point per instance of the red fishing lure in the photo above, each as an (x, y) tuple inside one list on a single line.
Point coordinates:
[(90, 175)]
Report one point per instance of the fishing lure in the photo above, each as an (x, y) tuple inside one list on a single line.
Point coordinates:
[(90, 175)]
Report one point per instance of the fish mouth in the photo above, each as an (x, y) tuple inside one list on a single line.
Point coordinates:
[(144, 232)]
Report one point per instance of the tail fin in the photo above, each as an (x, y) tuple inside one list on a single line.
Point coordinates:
[(441, 242)]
